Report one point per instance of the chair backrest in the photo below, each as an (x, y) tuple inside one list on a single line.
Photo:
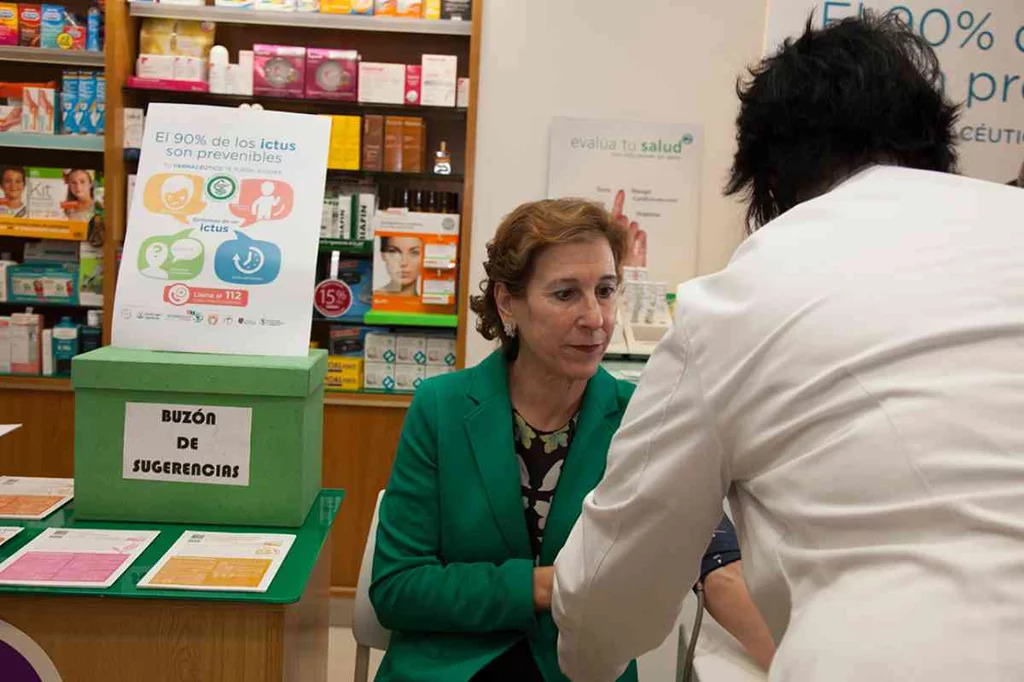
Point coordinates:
[(366, 629)]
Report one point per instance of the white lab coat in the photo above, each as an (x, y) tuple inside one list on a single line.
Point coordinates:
[(854, 381)]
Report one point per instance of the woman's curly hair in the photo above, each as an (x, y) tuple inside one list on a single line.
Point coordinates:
[(520, 239)]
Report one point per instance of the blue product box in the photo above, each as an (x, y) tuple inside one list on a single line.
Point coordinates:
[(68, 102), (99, 104), (51, 25), (86, 96)]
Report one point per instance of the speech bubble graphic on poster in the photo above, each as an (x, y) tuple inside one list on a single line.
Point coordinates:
[(177, 195), (173, 257), (244, 260), (262, 200)]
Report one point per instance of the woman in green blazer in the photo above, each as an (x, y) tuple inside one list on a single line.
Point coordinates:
[(494, 461)]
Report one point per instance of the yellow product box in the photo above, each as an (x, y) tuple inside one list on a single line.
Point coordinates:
[(336, 6), (344, 374), (346, 143), (432, 9)]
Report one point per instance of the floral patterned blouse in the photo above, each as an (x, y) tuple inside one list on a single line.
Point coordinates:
[(541, 455)]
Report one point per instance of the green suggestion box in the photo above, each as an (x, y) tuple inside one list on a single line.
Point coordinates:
[(197, 438)]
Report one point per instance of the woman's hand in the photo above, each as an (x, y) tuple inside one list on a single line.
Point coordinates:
[(543, 584)]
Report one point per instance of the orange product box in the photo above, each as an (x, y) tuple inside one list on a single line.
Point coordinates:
[(410, 9), (385, 8), (414, 145), (394, 132), (415, 261), (373, 142)]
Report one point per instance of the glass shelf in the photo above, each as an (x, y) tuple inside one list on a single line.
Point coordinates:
[(330, 22)]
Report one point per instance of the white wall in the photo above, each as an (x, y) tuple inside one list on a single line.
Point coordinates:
[(647, 60)]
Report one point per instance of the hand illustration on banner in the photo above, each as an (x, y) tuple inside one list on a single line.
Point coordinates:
[(174, 194), (636, 244), (174, 257), (260, 200), (247, 261)]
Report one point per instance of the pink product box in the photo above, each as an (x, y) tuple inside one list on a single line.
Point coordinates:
[(413, 85), (332, 74), (278, 70), (167, 84)]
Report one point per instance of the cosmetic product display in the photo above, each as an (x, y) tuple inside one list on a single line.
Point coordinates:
[(279, 70), (332, 74)]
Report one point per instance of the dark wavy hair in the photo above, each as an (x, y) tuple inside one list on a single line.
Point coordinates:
[(861, 91)]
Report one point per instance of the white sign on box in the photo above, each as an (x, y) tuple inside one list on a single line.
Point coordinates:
[(220, 254), (187, 443), (980, 45), (646, 173)]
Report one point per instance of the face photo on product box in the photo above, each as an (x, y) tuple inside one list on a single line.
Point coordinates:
[(12, 192), (80, 201), (403, 262)]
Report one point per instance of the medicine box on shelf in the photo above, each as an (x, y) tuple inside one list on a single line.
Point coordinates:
[(197, 438)]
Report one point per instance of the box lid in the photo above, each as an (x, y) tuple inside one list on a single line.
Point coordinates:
[(131, 369)]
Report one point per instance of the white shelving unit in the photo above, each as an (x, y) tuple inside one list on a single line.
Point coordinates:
[(38, 55), (347, 22)]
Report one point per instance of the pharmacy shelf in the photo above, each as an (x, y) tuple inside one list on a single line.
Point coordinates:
[(47, 304), (299, 104), (31, 382), (333, 22), (71, 143), (366, 399), (39, 55), (347, 247), (131, 155), (34, 228), (377, 318), (395, 177), (388, 319)]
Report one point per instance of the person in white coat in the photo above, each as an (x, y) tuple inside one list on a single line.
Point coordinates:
[(853, 380)]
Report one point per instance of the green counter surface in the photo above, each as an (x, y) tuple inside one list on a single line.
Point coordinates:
[(287, 588)]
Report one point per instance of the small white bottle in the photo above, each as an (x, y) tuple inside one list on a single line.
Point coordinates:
[(219, 70), (47, 352)]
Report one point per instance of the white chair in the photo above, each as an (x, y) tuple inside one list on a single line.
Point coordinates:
[(367, 630)]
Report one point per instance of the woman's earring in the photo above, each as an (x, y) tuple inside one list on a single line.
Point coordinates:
[(510, 329)]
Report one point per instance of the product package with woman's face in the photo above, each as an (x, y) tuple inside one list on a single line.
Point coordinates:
[(415, 256)]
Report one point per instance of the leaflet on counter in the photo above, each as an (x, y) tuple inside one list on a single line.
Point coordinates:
[(75, 557), (33, 498), (8, 532), (235, 562)]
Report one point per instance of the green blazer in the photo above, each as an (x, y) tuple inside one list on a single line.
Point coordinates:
[(453, 569)]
